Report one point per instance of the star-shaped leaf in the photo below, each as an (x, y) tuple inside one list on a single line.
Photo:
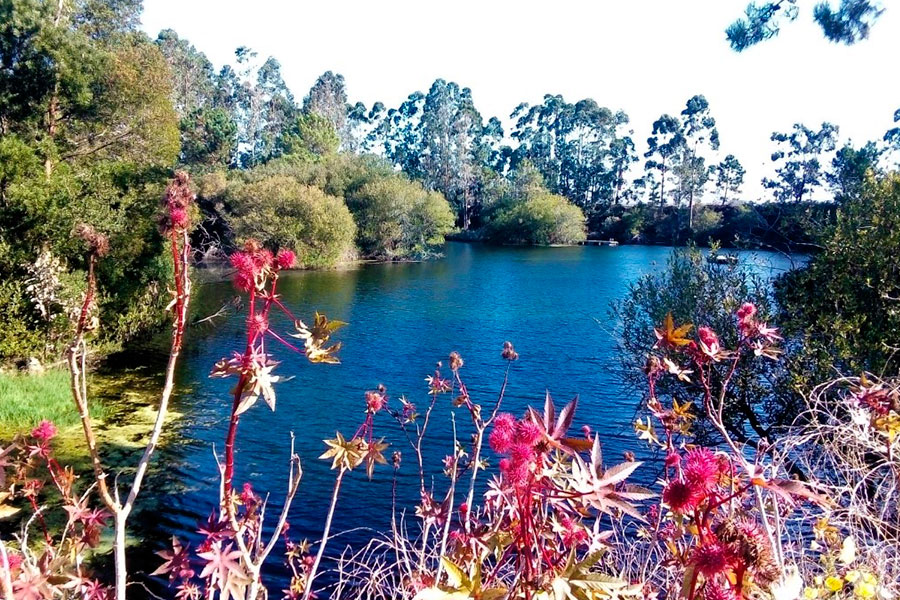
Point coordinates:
[(670, 336), (344, 454), (316, 339)]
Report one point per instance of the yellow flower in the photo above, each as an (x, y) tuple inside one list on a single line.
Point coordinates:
[(834, 584), (810, 593), (864, 590), (852, 575)]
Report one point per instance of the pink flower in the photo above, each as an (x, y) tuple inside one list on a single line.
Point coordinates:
[(247, 496), (45, 431), (375, 401), (501, 437), (263, 259), (746, 312), (681, 497), (528, 432), (673, 459), (285, 259), (14, 561), (701, 468), (179, 218), (709, 342), (711, 558)]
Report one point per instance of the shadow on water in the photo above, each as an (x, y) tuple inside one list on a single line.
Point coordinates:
[(403, 318)]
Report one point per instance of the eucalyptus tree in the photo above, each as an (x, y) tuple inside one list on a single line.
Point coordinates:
[(203, 100), (729, 178), (848, 23), (540, 131), (362, 125), (700, 135), (580, 149), (328, 98), (622, 156), (439, 138), (664, 145), (799, 169)]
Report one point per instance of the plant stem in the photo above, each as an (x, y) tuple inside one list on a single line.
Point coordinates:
[(315, 567)]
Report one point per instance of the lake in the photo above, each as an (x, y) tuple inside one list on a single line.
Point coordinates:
[(551, 303)]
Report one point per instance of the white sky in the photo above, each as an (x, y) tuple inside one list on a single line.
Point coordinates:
[(644, 56)]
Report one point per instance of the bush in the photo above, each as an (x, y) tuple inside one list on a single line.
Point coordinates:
[(846, 301), (398, 218), (693, 291), (541, 220), (280, 212)]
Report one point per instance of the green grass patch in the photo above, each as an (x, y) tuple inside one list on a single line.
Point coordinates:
[(25, 400)]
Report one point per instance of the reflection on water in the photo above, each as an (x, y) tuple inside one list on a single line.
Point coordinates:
[(551, 303)]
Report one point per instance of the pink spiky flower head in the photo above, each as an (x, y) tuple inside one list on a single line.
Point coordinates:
[(711, 558), (286, 259), (701, 468), (502, 436), (681, 496), (45, 431), (709, 341)]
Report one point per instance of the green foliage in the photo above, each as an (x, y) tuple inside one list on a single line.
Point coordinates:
[(311, 136), (845, 302), (398, 218), (208, 138), (87, 132), (280, 212), (696, 291), (542, 219), (20, 331)]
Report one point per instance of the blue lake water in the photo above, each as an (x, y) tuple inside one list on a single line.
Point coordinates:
[(552, 303)]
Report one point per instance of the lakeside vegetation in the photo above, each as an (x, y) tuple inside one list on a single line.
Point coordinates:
[(775, 414)]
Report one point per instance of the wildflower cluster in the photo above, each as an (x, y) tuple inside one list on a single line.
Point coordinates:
[(229, 560), (29, 473), (713, 521)]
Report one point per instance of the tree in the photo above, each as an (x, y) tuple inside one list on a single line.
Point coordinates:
[(438, 138), (312, 135), (264, 106), (398, 218), (729, 177), (579, 148), (699, 133), (208, 138), (664, 144), (799, 170), (693, 290), (328, 98), (892, 136), (847, 24), (849, 169)]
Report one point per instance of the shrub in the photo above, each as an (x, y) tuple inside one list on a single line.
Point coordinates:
[(541, 220), (846, 301), (398, 218), (692, 290), (282, 213)]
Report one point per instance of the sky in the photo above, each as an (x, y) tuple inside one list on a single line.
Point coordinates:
[(646, 57)]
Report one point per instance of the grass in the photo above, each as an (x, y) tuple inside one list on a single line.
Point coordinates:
[(25, 400)]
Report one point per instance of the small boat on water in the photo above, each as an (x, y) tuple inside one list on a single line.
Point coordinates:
[(720, 258)]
